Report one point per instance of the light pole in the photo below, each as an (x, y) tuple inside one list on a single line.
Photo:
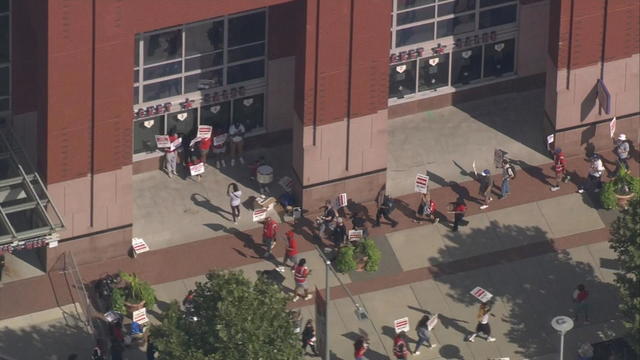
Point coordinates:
[(562, 324)]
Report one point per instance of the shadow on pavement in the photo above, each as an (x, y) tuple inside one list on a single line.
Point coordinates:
[(33, 342), (204, 202)]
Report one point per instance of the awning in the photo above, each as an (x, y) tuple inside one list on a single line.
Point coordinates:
[(28, 218)]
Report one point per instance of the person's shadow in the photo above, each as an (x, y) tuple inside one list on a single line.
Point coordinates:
[(203, 202), (533, 171), (447, 322)]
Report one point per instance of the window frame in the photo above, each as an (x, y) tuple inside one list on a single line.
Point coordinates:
[(7, 112)]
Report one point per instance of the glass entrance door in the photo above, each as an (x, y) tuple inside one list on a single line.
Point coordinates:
[(249, 111), (217, 116)]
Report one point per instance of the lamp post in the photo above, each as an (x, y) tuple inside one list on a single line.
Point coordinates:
[(562, 324)]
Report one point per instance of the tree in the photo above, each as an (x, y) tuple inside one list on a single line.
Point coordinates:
[(236, 319), (625, 241)]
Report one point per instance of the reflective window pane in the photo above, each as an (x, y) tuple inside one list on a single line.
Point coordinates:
[(203, 80), (183, 122), (204, 61), (498, 16), (136, 94), (136, 76), (456, 7), (136, 51), (4, 6), (457, 25), (4, 104), (485, 3), (4, 38), (163, 70), (466, 65), (249, 111), (408, 4), (245, 52), (144, 132), (217, 115), (433, 72), (247, 71), (414, 35), (421, 14), (402, 79), (204, 37), (162, 46), (246, 29), (499, 58), (162, 89), (4, 81)]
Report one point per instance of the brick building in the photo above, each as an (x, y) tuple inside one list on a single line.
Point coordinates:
[(85, 85)]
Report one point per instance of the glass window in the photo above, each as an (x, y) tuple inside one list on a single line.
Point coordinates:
[(136, 50), (204, 61), (244, 72), (466, 65), (144, 134), (408, 4), (204, 37), (162, 46), (246, 29), (457, 25), (456, 7), (163, 70), (4, 104), (136, 94), (485, 3), (499, 58), (183, 122), (136, 76), (498, 16), (245, 52), (249, 111), (414, 35), (162, 89), (4, 81), (434, 72), (217, 115), (402, 79), (412, 16), (4, 38), (203, 80)]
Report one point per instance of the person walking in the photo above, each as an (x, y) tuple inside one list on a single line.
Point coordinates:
[(560, 168), (580, 296), (234, 194), (269, 233), (422, 329), (326, 219), (458, 209), (300, 274), (594, 179), (309, 338), (339, 234), (291, 253), (486, 183), (360, 347), (427, 209), (400, 347), (359, 223), (219, 149), (384, 204), (204, 145), (508, 174), (237, 131), (483, 324), (170, 155), (622, 152)]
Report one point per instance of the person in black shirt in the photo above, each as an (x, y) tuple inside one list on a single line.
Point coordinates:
[(326, 219), (339, 234)]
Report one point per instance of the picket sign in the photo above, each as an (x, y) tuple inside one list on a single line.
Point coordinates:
[(550, 139), (473, 165), (481, 294), (259, 214), (204, 131), (340, 201), (612, 126), (175, 144), (432, 322), (194, 141), (401, 324), (356, 235), (196, 169), (139, 246), (140, 316), (220, 139), (162, 141), (286, 183), (422, 183)]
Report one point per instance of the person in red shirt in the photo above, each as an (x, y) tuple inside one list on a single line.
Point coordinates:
[(300, 274), (360, 347), (220, 149), (459, 208), (170, 155), (400, 348), (269, 233), (427, 208), (580, 296), (291, 253), (560, 168), (204, 145)]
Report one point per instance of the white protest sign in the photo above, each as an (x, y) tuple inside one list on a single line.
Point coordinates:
[(286, 183), (612, 127), (340, 201), (139, 245), (162, 141), (550, 139), (194, 141), (175, 144), (204, 131), (140, 316), (220, 139), (422, 183), (196, 169), (473, 165), (432, 322), (481, 294), (401, 325), (259, 214), (355, 235)]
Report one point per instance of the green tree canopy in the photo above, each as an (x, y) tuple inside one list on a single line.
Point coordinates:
[(625, 241), (237, 319)]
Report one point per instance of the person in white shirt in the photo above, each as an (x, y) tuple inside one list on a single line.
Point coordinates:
[(594, 180), (236, 132), (483, 323), (234, 197)]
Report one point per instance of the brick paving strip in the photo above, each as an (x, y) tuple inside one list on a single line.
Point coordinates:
[(222, 252)]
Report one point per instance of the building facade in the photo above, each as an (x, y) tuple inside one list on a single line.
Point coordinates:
[(86, 85)]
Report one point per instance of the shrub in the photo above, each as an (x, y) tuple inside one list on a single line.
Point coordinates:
[(367, 247), (137, 290), (345, 261)]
